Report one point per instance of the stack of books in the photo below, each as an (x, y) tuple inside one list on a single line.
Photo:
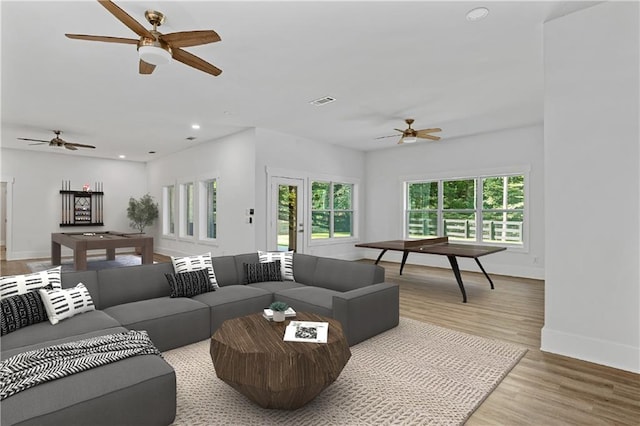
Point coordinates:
[(289, 313), (306, 331)]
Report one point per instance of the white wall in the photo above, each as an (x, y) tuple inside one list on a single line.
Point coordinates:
[(36, 201), (302, 158), (386, 170), (232, 161), (592, 300)]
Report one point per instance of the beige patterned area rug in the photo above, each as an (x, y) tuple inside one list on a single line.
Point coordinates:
[(415, 374)]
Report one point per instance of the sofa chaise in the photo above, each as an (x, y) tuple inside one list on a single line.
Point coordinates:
[(142, 389)]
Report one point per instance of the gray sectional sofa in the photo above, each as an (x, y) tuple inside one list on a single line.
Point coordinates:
[(142, 389)]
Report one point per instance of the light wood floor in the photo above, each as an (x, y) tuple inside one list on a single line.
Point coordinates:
[(543, 389)]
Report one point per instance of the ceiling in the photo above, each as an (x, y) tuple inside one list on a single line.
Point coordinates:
[(382, 61)]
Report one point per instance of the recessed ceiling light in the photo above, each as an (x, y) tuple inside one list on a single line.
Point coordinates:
[(152, 152), (190, 138), (477, 14), (195, 126), (122, 156)]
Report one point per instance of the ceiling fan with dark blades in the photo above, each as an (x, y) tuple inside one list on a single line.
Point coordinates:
[(410, 135), (58, 142), (155, 48)]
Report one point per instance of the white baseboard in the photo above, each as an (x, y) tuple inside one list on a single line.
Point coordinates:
[(604, 352)]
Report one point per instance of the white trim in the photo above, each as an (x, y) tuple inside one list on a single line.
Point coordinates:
[(10, 255), (604, 352)]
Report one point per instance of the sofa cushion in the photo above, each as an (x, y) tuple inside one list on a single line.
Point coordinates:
[(193, 263), (20, 311), (304, 267), (234, 301), (88, 278), (240, 260), (226, 272), (341, 275), (260, 272), (133, 283), (45, 331), (273, 286), (316, 300), (135, 391), (285, 258), (189, 284), (67, 302), (20, 284), (170, 322)]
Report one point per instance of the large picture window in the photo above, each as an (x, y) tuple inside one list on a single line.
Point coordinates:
[(332, 213), (186, 210), (488, 209)]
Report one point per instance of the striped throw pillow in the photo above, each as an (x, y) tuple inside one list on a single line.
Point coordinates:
[(21, 284), (286, 262), (189, 284), (20, 311), (193, 263), (67, 302), (260, 272)]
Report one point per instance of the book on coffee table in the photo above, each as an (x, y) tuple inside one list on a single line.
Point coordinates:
[(306, 331), (289, 313)]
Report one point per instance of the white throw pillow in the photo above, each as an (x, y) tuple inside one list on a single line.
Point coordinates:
[(286, 262), (193, 263), (67, 302), (21, 284)]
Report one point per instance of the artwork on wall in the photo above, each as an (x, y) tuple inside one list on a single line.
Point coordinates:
[(82, 208)]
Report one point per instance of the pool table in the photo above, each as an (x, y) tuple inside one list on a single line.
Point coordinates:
[(80, 242)]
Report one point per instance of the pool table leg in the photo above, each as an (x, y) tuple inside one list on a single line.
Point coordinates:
[(147, 253), (80, 259), (111, 254), (380, 256), (456, 271), (55, 253)]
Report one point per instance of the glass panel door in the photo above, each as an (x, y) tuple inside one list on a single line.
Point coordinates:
[(288, 221)]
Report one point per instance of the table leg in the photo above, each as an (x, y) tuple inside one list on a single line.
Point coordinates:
[(80, 259), (111, 254), (456, 271), (147, 253), (484, 272), (380, 256), (55, 253), (405, 253)]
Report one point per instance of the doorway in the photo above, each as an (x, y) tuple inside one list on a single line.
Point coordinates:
[(287, 210)]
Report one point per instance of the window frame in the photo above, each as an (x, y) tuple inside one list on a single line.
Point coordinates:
[(332, 239), (203, 212), (479, 177), (169, 210)]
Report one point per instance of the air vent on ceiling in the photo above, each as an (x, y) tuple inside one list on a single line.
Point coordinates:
[(323, 101)]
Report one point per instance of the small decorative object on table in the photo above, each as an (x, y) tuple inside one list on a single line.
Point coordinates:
[(268, 313), (278, 309)]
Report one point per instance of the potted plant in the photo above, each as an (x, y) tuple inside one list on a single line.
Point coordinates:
[(142, 212), (278, 309)]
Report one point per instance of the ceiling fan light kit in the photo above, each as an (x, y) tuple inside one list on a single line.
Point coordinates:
[(411, 135), (410, 139), (155, 48)]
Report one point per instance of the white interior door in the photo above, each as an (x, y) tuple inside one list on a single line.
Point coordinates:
[(287, 227)]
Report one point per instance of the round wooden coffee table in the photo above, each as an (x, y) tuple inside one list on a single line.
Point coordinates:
[(250, 355)]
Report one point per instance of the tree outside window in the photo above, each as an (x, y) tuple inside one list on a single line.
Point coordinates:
[(331, 210)]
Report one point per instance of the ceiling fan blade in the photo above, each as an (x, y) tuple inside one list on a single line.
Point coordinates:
[(39, 143), (126, 19), (433, 138), (426, 131), (71, 145), (401, 140), (190, 38), (195, 62), (105, 39), (390, 136), (398, 130), (34, 140), (146, 68)]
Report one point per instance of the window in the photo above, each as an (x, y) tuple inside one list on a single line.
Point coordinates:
[(331, 210), (459, 208), (208, 210), (168, 210), (186, 209)]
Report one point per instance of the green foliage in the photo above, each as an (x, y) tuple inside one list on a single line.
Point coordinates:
[(278, 306), (142, 212)]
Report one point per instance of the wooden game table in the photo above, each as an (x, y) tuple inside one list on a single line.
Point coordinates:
[(80, 242), (439, 246)]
